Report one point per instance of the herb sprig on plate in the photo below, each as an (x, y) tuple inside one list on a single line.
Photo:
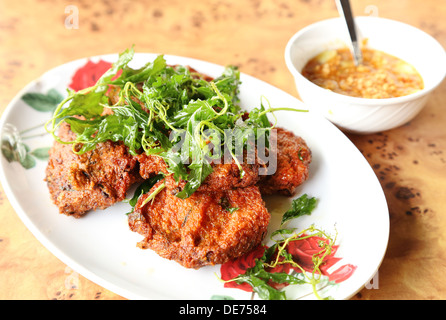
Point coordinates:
[(272, 269)]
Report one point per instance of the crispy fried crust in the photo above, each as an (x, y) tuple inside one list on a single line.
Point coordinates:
[(293, 161), (228, 176), (201, 230), (150, 165), (94, 180)]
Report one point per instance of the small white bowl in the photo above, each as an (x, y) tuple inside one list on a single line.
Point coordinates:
[(361, 115)]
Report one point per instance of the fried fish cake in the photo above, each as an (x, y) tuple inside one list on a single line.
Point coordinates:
[(94, 180), (293, 161), (207, 228)]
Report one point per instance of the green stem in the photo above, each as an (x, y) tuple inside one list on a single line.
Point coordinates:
[(153, 194), (281, 109)]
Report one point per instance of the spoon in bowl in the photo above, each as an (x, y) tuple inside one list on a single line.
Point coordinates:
[(345, 11)]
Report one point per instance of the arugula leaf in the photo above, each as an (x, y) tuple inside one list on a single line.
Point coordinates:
[(261, 277), (232, 209), (226, 205), (258, 118), (143, 188), (123, 60), (258, 279), (88, 105), (142, 74), (112, 127), (157, 102), (261, 287), (229, 82), (199, 171), (299, 207), (258, 276), (174, 165), (282, 232)]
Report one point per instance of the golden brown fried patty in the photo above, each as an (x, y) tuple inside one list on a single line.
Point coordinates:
[(94, 180), (202, 229), (293, 161)]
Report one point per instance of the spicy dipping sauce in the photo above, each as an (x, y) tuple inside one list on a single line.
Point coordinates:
[(379, 76)]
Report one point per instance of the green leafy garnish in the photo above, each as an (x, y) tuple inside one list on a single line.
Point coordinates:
[(232, 209), (261, 275), (226, 205), (142, 189), (160, 106), (153, 194), (299, 207)]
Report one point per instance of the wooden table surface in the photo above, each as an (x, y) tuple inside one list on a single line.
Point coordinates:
[(409, 161)]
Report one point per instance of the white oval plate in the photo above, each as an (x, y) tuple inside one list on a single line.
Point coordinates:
[(101, 247)]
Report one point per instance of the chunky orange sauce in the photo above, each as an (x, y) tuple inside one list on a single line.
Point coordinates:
[(379, 76)]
